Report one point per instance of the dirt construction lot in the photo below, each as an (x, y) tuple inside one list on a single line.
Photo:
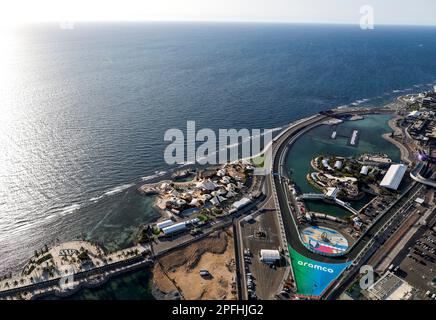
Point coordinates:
[(180, 270)]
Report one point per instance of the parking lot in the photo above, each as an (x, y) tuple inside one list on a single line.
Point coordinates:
[(418, 266), (257, 234), (416, 263)]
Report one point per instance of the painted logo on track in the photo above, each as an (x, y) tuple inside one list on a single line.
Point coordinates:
[(315, 266)]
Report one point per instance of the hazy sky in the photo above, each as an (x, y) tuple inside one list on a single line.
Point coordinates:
[(322, 11)]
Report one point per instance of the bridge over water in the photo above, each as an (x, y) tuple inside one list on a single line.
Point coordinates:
[(323, 197)]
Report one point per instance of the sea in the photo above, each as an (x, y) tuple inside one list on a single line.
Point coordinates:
[(84, 110)]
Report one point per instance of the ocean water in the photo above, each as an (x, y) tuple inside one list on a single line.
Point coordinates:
[(83, 112), (131, 286)]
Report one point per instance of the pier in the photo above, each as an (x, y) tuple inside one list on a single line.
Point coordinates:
[(354, 139)]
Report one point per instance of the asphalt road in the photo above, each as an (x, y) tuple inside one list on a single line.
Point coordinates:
[(280, 150)]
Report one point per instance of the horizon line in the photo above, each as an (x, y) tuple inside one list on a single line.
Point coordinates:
[(218, 21)]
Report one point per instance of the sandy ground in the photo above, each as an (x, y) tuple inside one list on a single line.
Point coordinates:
[(181, 269), (405, 154)]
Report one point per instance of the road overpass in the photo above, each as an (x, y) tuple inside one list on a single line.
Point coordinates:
[(417, 175)]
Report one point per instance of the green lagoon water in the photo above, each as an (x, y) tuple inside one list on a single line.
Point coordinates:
[(318, 142), (136, 285)]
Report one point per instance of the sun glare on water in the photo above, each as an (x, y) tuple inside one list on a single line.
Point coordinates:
[(9, 68), (9, 79)]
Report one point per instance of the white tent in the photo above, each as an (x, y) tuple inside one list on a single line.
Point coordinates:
[(164, 224), (364, 170), (393, 177), (269, 256), (241, 203), (215, 201)]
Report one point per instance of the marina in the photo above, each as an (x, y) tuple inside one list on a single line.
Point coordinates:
[(371, 129)]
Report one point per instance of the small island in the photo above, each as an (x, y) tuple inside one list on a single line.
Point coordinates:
[(351, 177)]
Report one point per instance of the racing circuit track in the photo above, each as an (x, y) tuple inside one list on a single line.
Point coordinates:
[(279, 177)]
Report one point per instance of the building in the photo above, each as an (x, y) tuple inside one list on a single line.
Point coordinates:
[(241, 203), (179, 227), (175, 228), (326, 165), (364, 170), (394, 176), (269, 256), (418, 126), (221, 172), (432, 136), (414, 114), (338, 165), (164, 224), (332, 192), (426, 102), (206, 185), (390, 287), (193, 221), (420, 201), (215, 201)]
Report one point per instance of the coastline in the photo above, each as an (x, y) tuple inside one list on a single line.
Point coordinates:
[(170, 293), (404, 152)]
